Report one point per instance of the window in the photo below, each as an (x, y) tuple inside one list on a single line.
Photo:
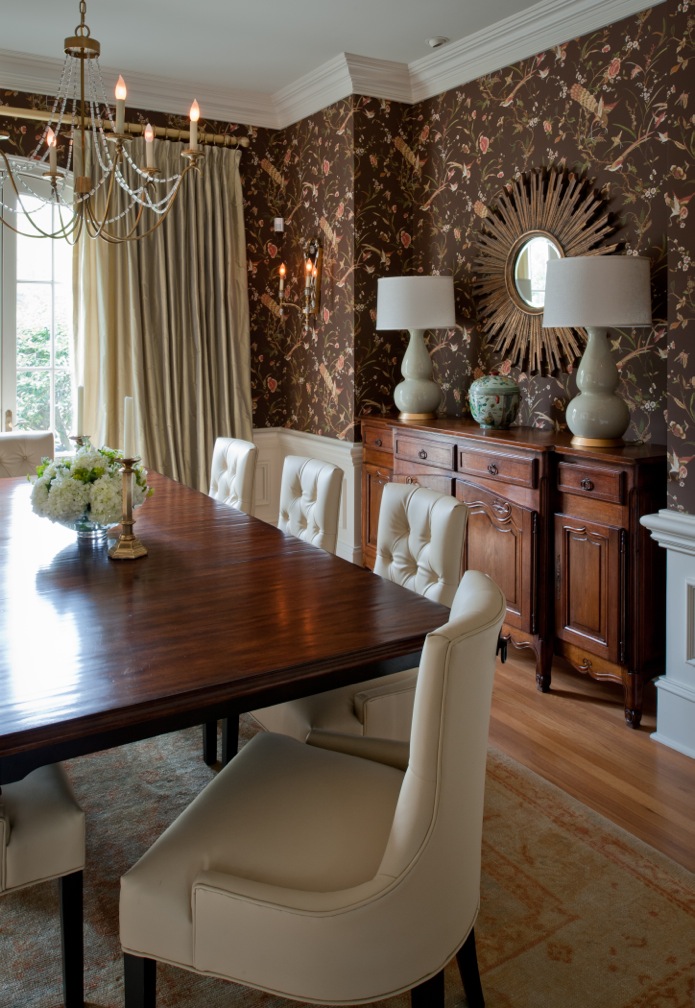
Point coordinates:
[(37, 340)]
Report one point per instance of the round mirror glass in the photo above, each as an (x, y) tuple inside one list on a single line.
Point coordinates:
[(529, 269)]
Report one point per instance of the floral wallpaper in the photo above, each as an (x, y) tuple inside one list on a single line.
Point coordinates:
[(613, 106), (390, 188)]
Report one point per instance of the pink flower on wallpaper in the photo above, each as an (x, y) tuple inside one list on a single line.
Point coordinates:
[(326, 315), (424, 133), (326, 166), (272, 250), (547, 126), (340, 210), (405, 239), (613, 69), (340, 363), (272, 385), (483, 143)]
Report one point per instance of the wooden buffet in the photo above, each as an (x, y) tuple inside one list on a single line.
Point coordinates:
[(557, 527)]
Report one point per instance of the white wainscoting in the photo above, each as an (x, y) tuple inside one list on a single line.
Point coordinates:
[(275, 443), (675, 691)]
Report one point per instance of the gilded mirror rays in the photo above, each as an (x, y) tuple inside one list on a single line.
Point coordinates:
[(542, 213)]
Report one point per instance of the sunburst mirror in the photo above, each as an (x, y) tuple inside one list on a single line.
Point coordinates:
[(541, 214)]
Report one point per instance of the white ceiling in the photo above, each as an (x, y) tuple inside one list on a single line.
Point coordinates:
[(271, 62)]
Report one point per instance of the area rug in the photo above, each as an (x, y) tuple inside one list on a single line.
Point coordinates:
[(575, 913)]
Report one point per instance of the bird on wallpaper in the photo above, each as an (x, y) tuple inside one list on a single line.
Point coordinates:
[(599, 109)]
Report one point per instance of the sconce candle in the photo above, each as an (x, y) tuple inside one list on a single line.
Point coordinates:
[(52, 143), (195, 116), (121, 93), (282, 271), (149, 146)]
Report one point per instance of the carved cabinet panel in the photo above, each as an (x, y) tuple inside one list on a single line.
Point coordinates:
[(590, 588), (502, 540)]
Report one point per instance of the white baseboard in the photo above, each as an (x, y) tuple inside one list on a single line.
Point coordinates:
[(274, 443)]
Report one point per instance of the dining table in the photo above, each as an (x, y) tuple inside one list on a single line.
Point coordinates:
[(224, 614)]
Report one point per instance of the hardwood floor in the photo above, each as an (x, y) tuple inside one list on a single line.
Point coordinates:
[(576, 738)]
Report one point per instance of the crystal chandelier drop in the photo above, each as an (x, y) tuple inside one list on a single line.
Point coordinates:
[(98, 187)]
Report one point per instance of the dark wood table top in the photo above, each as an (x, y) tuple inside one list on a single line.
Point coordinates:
[(225, 614)]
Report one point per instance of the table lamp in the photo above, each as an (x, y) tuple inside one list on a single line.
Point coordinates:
[(596, 292), (416, 303)]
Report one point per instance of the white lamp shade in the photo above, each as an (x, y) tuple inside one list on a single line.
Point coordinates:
[(598, 290), (415, 302)]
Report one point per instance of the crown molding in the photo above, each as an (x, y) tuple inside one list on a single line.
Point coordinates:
[(540, 27), (546, 24), (339, 78)]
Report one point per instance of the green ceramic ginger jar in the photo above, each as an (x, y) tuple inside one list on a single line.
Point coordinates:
[(494, 401)]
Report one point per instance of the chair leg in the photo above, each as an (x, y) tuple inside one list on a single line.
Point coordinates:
[(429, 994), (210, 742), (140, 976), (72, 939), (230, 738), (467, 959)]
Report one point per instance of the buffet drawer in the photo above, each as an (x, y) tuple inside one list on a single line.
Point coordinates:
[(424, 451), (592, 481), (517, 470)]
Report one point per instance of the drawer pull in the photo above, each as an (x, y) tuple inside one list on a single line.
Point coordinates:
[(492, 469), (587, 484), (378, 442), (584, 665), (422, 454)]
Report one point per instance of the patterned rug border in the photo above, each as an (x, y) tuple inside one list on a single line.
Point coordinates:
[(624, 849)]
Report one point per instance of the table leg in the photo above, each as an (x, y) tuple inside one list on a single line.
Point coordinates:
[(210, 742)]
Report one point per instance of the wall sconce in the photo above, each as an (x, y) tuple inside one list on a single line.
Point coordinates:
[(313, 257)]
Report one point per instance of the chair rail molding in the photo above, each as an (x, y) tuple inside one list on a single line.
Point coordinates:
[(274, 443), (675, 714)]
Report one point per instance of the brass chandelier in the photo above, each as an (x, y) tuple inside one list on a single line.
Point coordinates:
[(98, 188)]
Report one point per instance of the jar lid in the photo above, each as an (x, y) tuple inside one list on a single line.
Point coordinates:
[(494, 383)]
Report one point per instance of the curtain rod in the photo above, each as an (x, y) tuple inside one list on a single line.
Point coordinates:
[(166, 132)]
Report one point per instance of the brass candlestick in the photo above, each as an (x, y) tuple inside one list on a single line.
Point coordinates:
[(80, 440), (127, 546)]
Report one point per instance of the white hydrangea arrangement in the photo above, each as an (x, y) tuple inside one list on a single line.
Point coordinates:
[(87, 485)]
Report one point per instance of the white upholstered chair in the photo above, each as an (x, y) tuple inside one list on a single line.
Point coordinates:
[(232, 481), (420, 538), (233, 472), (22, 451), (310, 501), (323, 876), (309, 509), (42, 837)]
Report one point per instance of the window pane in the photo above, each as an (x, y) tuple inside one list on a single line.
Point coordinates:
[(63, 325), (33, 325), (34, 255), (63, 411), (33, 400)]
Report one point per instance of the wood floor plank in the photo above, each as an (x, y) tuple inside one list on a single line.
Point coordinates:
[(575, 736)]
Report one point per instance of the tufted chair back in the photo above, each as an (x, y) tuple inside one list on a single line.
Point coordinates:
[(42, 837), (419, 545), (310, 501), (233, 472), (21, 451), (417, 528)]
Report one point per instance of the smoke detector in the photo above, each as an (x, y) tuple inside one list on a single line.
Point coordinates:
[(437, 41)]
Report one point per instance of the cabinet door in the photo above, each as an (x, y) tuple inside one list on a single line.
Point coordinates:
[(590, 586), (374, 479), (502, 541)]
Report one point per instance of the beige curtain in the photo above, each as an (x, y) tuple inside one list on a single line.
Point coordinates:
[(166, 320)]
